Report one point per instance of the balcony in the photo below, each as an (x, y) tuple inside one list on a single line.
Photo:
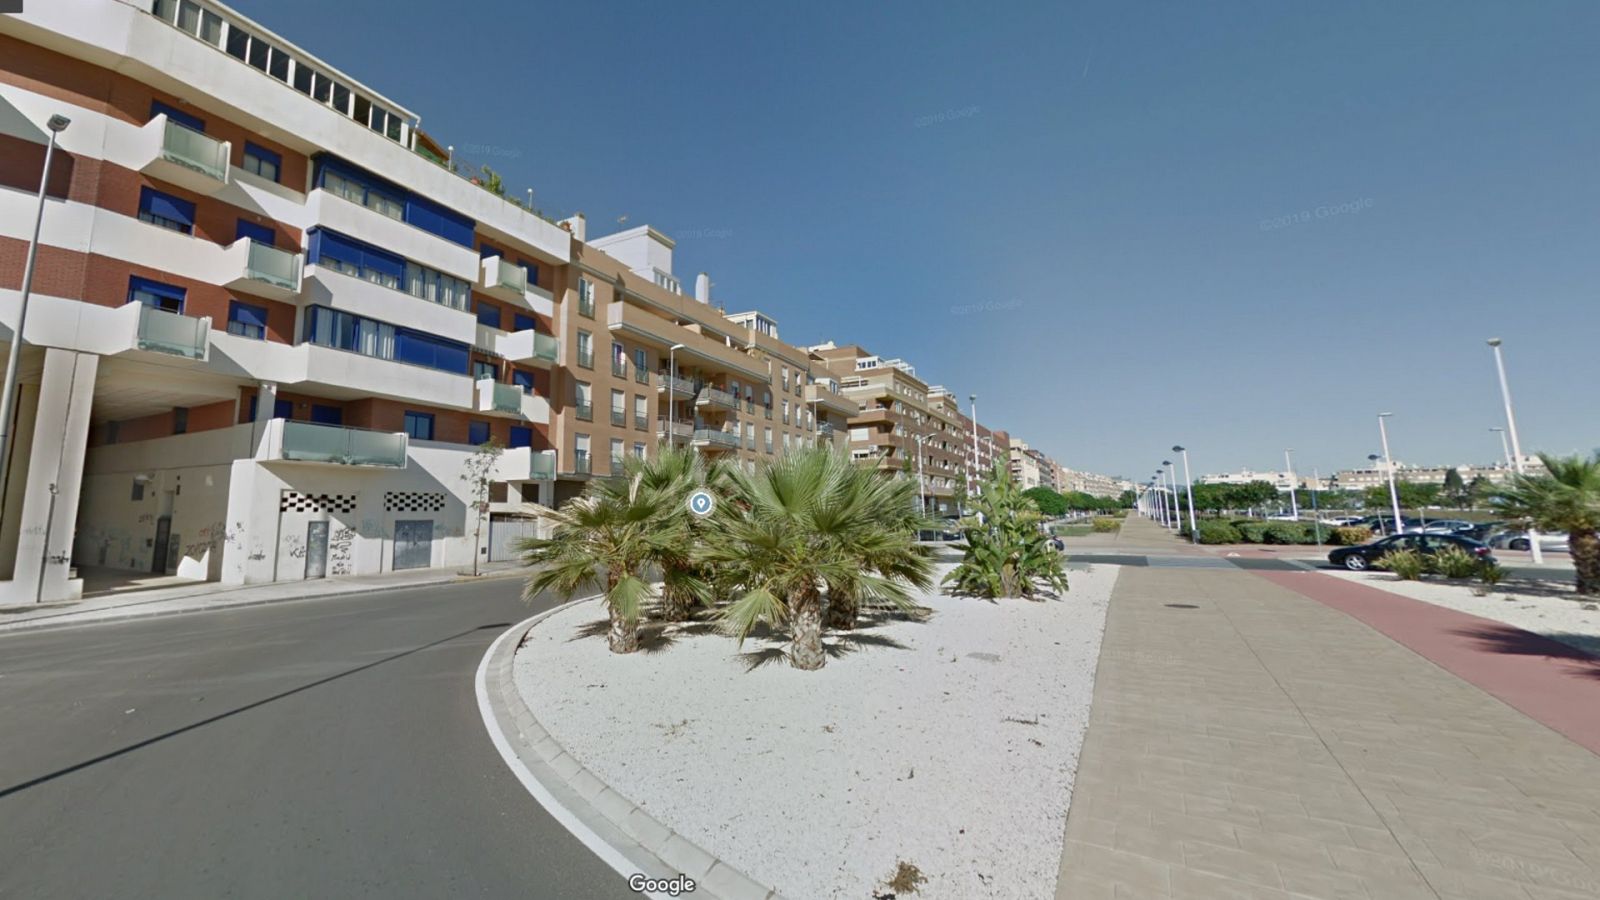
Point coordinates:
[(182, 156), (697, 349), (262, 270), (642, 423), (675, 384), (313, 442), (511, 400), (830, 401), (504, 280), (173, 333), (876, 415), (580, 462), (526, 464), (585, 357), (715, 439), (584, 411), (528, 346), (675, 431), (716, 398), (586, 306), (619, 418)]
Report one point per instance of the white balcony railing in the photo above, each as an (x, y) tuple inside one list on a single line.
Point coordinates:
[(174, 333)]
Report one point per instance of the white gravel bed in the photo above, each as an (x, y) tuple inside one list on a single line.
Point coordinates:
[(949, 743), (1548, 608)]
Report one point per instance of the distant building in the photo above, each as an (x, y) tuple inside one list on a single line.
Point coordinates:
[(1376, 476)]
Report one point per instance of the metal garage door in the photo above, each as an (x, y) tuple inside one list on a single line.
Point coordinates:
[(413, 543), (504, 535)]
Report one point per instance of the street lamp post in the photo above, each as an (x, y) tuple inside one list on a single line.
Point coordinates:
[(1188, 487), (1161, 497), (922, 500), (672, 393), (1388, 464), (1172, 477), (1316, 517), (1505, 446), (56, 125), (1294, 503), (973, 398), (1516, 446)]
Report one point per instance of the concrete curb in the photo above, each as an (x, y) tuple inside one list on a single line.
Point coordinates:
[(63, 620), (622, 834)]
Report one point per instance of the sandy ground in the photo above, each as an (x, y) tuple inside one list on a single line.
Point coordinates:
[(948, 743), (1549, 608)]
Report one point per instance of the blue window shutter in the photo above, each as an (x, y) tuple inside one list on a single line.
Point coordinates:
[(145, 285), (477, 433), (166, 206), (533, 271), (261, 152), (521, 436), (282, 409), (327, 415), (248, 314), (524, 323), (377, 260), (256, 232), (177, 115), (523, 380), (488, 314), (436, 219)]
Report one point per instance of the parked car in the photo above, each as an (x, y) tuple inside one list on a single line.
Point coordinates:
[(1482, 531), (1283, 517), (1447, 526), (1383, 524), (1340, 521), (1517, 539), (1365, 555)]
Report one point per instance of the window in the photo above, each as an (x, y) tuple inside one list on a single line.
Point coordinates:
[(477, 433), (349, 186), (264, 234), (419, 425), (177, 116), (584, 408), (261, 161), (520, 322), (580, 454), (166, 211), (238, 42), (619, 360), (359, 186), (641, 412), (585, 350), (482, 369), (335, 251), (585, 298), (786, 378), (785, 412), (155, 294), (180, 420), (332, 328), (616, 456), (436, 287), (324, 414), (641, 367), (523, 380), (521, 436), (247, 320), (138, 486), (488, 314), (638, 450), (766, 436), (619, 409), (533, 271)]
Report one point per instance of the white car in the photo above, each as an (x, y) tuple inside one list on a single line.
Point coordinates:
[(1518, 540), (1341, 521), (1283, 517)]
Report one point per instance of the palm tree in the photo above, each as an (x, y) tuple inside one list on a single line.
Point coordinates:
[(893, 502), (606, 538), (675, 473), (1007, 554), (793, 527), (1567, 499)]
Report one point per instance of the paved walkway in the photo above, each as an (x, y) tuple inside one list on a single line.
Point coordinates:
[(1248, 741)]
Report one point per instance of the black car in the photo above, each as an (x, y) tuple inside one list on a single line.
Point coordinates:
[(1363, 556)]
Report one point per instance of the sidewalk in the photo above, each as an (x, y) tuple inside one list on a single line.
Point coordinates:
[(1249, 741), (208, 595)]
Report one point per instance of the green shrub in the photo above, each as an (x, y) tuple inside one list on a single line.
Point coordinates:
[(1491, 574), (1349, 535), (1105, 524), (1454, 562), (1252, 531), (1284, 533), (1407, 565), (1215, 531)]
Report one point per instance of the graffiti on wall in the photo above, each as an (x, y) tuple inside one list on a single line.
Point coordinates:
[(339, 557)]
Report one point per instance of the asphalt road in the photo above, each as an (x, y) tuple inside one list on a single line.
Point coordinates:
[(323, 748)]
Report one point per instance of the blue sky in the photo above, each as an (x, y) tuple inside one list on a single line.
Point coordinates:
[(1238, 225)]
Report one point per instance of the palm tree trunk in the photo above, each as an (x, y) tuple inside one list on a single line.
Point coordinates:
[(1585, 546), (623, 635), (843, 609), (806, 652)]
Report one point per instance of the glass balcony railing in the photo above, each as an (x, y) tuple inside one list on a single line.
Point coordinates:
[(507, 398), (544, 465), (585, 358), (584, 411), (619, 418), (716, 437), (665, 427), (580, 462), (677, 385), (508, 276), (586, 307), (545, 347), (315, 442), (267, 263), (619, 369), (170, 332), (717, 397), (193, 150)]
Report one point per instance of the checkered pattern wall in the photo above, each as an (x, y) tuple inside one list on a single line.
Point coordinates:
[(413, 501), (294, 501)]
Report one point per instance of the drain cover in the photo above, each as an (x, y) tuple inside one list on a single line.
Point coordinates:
[(1183, 606)]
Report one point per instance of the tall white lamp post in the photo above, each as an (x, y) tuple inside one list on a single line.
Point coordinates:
[(57, 124), (1388, 465), (1294, 502), (1176, 514), (1505, 446), (1188, 487), (1516, 446)]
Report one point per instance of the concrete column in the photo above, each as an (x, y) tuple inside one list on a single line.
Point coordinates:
[(54, 480)]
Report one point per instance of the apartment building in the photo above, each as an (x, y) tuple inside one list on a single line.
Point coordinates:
[(1377, 475), (1093, 484), (269, 323)]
